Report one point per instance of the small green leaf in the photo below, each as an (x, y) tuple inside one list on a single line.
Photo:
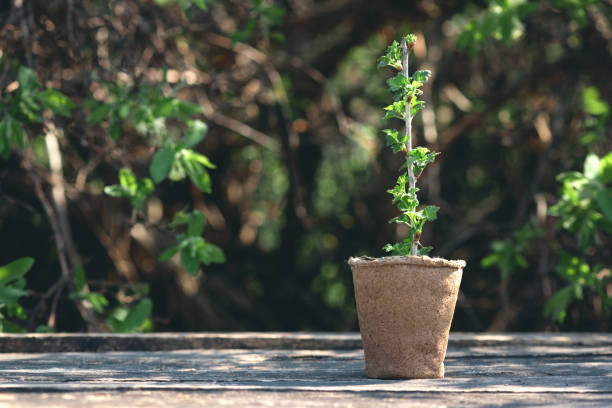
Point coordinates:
[(591, 166), (99, 113), (490, 260), (127, 179), (557, 304), (180, 218), (168, 254), (210, 253), (190, 261), (430, 213), (30, 109), (116, 190), (143, 189), (197, 173), (197, 157), (398, 84), (27, 80), (195, 224), (161, 164), (396, 110), (17, 133), (137, 315), (56, 102), (97, 300), (114, 127), (410, 39), (421, 76), (392, 58), (424, 250), (79, 278), (15, 270), (604, 199), (195, 133), (605, 169), (592, 102), (10, 295), (202, 4)]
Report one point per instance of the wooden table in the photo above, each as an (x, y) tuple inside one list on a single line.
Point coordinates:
[(295, 370)]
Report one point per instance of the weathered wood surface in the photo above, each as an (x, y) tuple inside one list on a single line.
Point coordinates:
[(281, 369)]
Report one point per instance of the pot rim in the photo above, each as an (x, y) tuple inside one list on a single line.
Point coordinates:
[(426, 261)]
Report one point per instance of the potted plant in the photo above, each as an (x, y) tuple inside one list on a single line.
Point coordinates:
[(405, 302)]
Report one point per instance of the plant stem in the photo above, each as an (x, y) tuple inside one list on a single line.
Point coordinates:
[(408, 123)]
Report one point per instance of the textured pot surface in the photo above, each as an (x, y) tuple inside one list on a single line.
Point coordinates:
[(405, 306)]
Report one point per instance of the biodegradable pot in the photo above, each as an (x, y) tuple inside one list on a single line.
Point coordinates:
[(405, 306)]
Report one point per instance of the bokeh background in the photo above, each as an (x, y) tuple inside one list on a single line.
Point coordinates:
[(520, 93)]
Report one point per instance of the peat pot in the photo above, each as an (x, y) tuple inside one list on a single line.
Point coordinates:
[(405, 306)]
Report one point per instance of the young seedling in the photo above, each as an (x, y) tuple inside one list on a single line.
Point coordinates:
[(405, 90)]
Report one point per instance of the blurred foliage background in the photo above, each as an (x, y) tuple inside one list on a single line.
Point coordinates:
[(518, 105)]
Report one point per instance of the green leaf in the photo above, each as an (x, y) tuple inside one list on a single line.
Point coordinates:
[(6, 326), (97, 300), (424, 250), (430, 213), (557, 304), (396, 110), (168, 254), (398, 85), (187, 109), (116, 190), (591, 166), (190, 261), (592, 103), (421, 76), (605, 169), (10, 295), (604, 199), (5, 134), (17, 133), (210, 253), (30, 109), (15, 270), (56, 102), (137, 316), (410, 39), (79, 278), (395, 140), (27, 80), (180, 218), (490, 260), (195, 133), (197, 157), (195, 224), (124, 319), (197, 173), (144, 188), (202, 4), (161, 164), (392, 58), (99, 113), (416, 106), (127, 179), (114, 127)]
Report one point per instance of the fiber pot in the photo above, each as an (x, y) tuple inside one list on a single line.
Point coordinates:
[(405, 306)]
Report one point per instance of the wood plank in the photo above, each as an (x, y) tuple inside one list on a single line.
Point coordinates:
[(64, 342), (284, 370), (180, 399), (278, 369)]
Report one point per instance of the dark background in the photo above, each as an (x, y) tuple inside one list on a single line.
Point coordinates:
[(301, 188)]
